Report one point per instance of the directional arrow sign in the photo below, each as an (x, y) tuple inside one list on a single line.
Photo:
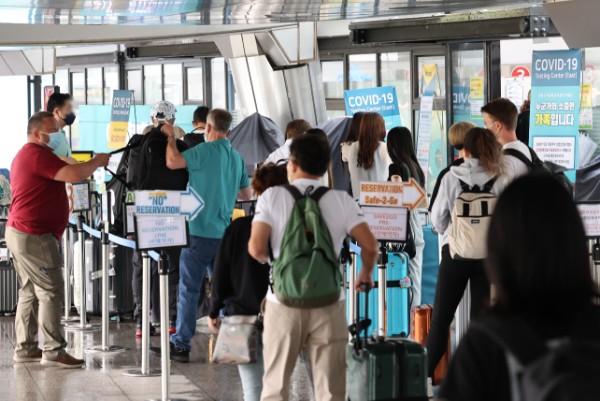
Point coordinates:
[(168, 203), (392, 194)]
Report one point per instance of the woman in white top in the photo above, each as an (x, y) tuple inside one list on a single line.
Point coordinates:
[(483, 163), (368, 159)]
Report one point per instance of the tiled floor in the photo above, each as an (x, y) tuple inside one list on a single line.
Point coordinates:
[(102, 378)]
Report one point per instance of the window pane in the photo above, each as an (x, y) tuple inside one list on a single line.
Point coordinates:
[(335, 113), (234, 101), (61, 79), (78, 92), (46, 81), (152, 84), (219, 98), (468, 86), (134, 83), (94, 85), (437, 83), (438, 149), (363, 71), (111, 83), (395, 71), (195, 89), (174, 83), (333, 79)]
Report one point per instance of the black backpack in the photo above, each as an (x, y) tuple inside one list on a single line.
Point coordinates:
[(560, 369), (537, 165)]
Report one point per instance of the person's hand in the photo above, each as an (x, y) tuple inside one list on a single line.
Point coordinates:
[(102, 159), (214, 324), (363, 278), (168, 129)]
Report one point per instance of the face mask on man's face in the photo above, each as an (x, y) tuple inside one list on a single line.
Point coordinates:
[(54, 141), (69, 118)]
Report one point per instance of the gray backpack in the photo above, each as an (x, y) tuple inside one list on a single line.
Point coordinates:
[(556, 370)]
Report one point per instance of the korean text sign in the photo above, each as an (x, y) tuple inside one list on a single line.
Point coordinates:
[(555, 103), (382, 100)]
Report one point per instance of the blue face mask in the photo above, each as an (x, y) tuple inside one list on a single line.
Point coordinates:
[(55, 140)]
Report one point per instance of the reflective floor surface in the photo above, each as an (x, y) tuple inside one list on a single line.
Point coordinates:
[(102, 377)]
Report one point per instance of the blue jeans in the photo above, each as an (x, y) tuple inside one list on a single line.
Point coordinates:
[(194, 263), (251, 376)]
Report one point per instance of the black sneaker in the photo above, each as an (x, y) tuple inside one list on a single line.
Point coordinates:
[(177, 354)]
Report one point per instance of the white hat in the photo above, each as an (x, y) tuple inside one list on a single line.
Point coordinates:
[(165, 108)]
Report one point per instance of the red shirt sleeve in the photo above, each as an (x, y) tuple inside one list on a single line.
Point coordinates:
[(47, 164)]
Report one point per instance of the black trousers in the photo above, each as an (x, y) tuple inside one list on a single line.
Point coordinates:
[(173, 255), (453, 277)]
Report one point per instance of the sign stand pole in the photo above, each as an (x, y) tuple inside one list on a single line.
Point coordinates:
[(351, 284), (105, 308), (145, 370), (165, 346), (83, 325), (68, 260), (382, 291)]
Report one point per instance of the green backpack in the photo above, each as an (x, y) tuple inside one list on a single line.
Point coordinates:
[(307, 273)]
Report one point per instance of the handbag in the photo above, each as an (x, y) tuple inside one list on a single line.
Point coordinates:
[(237, 341)]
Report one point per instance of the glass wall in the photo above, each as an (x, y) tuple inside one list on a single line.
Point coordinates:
[(134, 83), (94, 86), (152, 83), (333, 79), (173, 83), (362, 71), (395, 71), (195, 84), (468, 85), (111, 83), (219, 92)]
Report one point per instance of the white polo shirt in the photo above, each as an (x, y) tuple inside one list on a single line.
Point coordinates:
[(340, 212), (514, 167), (281, 153)]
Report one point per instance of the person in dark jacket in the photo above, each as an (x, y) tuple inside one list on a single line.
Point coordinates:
[(540, 269), (196, 137), (523, 121), (239, 282)]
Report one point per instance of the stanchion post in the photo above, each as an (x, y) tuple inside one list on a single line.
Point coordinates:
[(83, 324), (352, 296), (145, 370), (67, 261), (105, 347), (382, 292)]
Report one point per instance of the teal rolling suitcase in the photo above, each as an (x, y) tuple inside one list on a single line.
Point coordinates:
[(383, 368)]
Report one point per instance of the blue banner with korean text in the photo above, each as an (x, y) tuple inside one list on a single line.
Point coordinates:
[(555, 103), (380, 100)]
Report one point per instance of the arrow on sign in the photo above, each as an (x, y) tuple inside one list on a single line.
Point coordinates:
[(413, 195), (191, 203)]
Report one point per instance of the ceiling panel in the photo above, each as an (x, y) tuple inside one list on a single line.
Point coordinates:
[(204, 12)]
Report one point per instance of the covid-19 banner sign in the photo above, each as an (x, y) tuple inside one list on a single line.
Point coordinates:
[(119, 118), (555, 103), (380, 100)]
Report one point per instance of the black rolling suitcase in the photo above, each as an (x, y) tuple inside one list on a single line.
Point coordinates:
[(384, 368), (9, 284)]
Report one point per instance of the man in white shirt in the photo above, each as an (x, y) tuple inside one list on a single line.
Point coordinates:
[(500, 117), (294, 129), (323, 330)]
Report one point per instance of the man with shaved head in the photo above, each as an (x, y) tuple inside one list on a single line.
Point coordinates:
[(37, 219)]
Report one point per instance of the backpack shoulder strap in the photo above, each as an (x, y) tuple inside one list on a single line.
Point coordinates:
[(515, 153), (464, 186), (295, 192), (514, 336), (318, 193), (488, 186)]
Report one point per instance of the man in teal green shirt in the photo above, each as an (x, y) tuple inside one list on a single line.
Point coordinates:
[(218, 174), (61, 105)]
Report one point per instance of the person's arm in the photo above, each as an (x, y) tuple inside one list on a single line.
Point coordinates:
[(440, 210), (258, 246), (368, 254), (68, 160), (245, 190), (81, 171), (173, 157), (245, 194)]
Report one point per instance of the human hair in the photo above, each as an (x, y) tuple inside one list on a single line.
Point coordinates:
[(504, 111), (311, 153), (200, 114), (57, 100), (267, 176), (537, 254), (38, 120), (220, 120), (372, 131), (483, 145), (296, 128), (355, 126), (402, 152), (457, 132)]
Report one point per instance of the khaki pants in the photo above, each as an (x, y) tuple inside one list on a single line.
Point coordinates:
[(38, 266), (322, 331)]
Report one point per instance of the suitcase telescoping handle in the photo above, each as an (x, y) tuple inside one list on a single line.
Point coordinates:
[(361, 325)]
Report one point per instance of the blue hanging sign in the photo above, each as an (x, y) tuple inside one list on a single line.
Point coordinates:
[(382, 100)]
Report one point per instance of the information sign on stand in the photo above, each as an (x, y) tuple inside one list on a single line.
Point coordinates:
[(387, 223), (392, 194), (590, 216), (160, 232), (129, 218), (80, 193)]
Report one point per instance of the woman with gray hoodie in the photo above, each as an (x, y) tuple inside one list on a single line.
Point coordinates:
[(483, 163)]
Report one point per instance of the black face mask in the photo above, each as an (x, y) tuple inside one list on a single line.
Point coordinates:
[(69, 118)]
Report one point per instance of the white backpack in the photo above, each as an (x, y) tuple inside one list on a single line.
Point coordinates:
[(470, 221)]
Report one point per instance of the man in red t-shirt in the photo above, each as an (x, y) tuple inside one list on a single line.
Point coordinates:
[(37, 218)]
